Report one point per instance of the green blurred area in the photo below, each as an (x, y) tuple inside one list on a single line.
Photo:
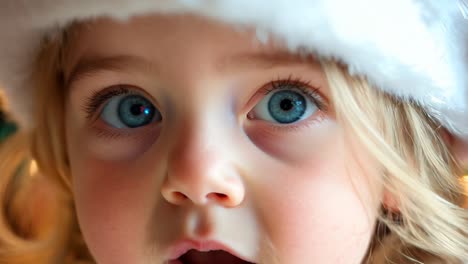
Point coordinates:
[(6, 127)]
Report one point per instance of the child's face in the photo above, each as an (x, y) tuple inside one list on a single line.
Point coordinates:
[(182, 131)]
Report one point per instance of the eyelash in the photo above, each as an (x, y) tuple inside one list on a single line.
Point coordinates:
[(94, 102), (304, 86)]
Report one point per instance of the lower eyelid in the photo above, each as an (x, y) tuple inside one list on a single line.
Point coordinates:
[(103, 130), (109, 144)]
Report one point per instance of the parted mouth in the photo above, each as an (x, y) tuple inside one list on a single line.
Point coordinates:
[(205, 252), (211, 257)]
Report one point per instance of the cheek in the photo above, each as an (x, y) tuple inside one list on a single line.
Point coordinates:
[(113, 202), (115, 188), (321, 208), (325, 223)]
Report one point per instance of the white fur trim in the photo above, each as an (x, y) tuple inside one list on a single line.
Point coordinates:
[(414, 49)]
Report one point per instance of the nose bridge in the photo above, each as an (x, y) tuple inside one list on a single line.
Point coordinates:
[(199, 168), (192, 153), (193, 148)]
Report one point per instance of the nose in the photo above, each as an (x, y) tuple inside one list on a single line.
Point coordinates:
[(201, 172)]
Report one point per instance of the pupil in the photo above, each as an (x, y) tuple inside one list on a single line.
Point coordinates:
[(286, 104), (136, 109)]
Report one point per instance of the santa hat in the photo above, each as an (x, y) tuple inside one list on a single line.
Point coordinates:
[(414, 49)]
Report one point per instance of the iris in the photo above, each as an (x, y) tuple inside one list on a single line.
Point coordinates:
[(135, 111), (287, 106)]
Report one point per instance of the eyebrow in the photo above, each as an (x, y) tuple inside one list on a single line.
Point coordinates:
[(264, 60), (90, 65)]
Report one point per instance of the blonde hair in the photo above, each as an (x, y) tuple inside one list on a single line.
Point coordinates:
[(418, 169)]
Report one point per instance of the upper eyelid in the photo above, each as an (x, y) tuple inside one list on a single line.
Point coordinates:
[(93, 105), (304, 86)]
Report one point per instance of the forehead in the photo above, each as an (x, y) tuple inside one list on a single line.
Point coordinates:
[(149, 35), (154, 40)]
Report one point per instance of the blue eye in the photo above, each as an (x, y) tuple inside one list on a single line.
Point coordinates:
[(285, 105), (129, 111)]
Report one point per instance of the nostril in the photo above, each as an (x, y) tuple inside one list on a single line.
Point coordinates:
[(221, 195), (180, 196), (217, 196)]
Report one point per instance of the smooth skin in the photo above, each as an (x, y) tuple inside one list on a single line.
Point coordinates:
[(213, 166)]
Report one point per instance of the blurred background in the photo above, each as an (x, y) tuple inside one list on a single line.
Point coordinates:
[(7, 127)]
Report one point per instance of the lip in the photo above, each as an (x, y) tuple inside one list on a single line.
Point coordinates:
[(186, 245)]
